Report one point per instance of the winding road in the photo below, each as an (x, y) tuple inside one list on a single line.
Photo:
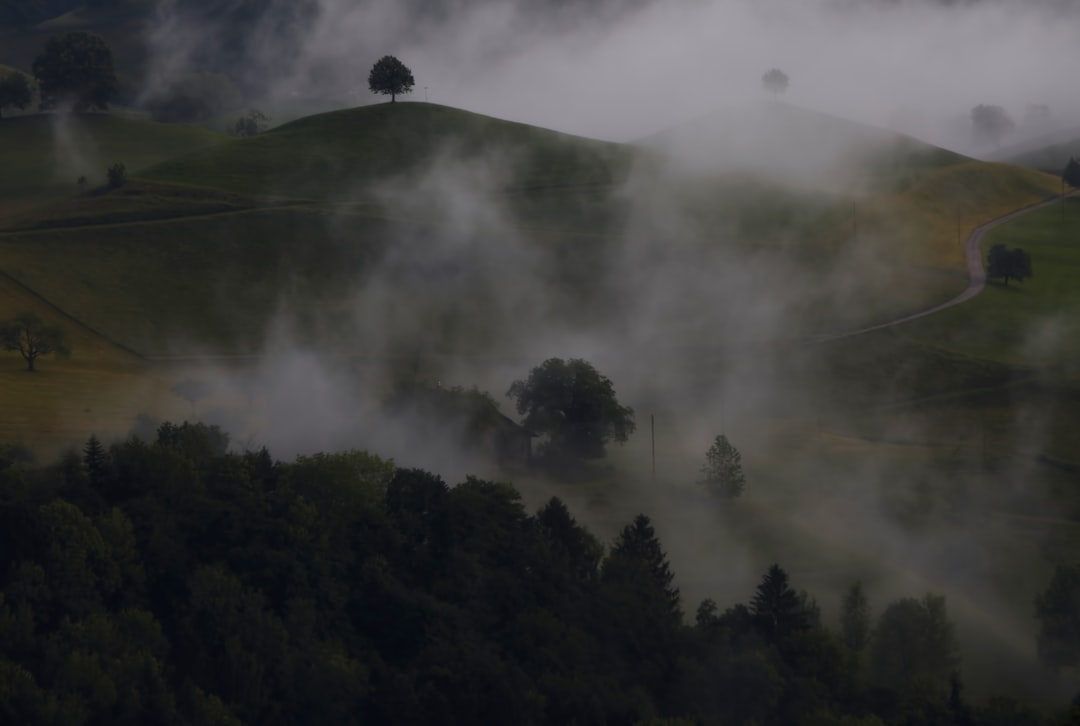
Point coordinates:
[(976, 274)]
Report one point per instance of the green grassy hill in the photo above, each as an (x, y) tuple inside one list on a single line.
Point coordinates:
[(338, 155), (189, 254)]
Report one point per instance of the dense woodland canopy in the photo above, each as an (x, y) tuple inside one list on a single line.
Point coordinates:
[(174, 582)]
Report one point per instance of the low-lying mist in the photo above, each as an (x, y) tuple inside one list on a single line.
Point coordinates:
[(701, 321)]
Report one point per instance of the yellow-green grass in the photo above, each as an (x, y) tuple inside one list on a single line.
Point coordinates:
[(197, 284), (336, 155), (99, 387), (1034, 324), (47, 153)]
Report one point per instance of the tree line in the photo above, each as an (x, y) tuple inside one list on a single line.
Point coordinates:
[(173, 581)]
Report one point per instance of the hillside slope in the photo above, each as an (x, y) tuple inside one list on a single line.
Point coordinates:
[(47, 153), (335, 155), (422, 222)]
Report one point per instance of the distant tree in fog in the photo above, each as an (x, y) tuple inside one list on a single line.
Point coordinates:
[(191, 391), (1071, 175), (1058, 611), (574, 405), (914, 649), (855, 619), (14, 91), (775, 81), (723, 472), (252, 123), (389, 76), (76, 68), (990, 124)]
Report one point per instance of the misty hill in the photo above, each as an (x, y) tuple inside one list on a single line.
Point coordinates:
[(802, 147), (339, 154), (1049, 153), (439, 218)]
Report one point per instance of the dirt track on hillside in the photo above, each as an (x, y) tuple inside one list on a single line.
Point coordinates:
[(976, 274)]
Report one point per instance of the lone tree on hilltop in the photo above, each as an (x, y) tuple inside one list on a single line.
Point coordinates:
[(990, 124), (775, 81), (253, 123), (1071, 175), (574, 405), (723, 472), (76, 68), (1006, 263), (14, 91), (32, 338), (389, 76)]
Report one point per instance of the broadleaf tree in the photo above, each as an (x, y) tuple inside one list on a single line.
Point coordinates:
[(574, 405), (32, 338), (77, 69), (390, 77), (14, 91), (1009, 264)]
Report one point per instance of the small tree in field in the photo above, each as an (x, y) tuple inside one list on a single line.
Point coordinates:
[(1071, 175), (1006, 263), (32, 338), (775, 81), (389, 76), (723, 472), (14, 91)]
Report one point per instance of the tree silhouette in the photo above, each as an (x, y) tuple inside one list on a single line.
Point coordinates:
[(723, 472), (574, 405), (777, 610), (990, 123), (914, 648), (855, 619), (32, 338), (77, 68), (1058, 611), (1071, 175), (14, 91), (389, 76), (1006, 263), (775, 81)]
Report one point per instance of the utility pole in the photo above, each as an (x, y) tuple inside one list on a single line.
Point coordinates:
[(652, 435)]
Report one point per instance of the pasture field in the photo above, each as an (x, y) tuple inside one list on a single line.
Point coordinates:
[(189, 254), (1033, 324)]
